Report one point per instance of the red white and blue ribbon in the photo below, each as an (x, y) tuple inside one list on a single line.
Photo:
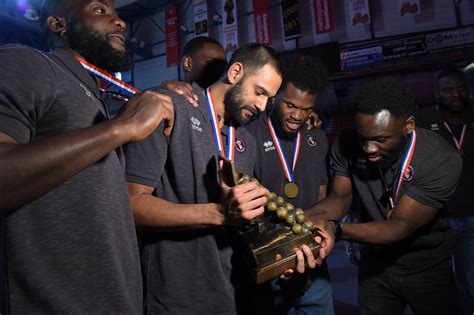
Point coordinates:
[(217, 132), (459, 143), (289, 173), (107, 77), (403, 168)]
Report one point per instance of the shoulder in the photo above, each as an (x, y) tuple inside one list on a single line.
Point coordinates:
[(24, 59), (433, 151)]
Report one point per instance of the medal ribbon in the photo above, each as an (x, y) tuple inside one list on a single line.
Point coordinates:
[(403, 168), (459, 143), (105, 76), (289, 173), (217, 132)]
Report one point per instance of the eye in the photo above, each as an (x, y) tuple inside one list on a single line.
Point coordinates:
[(290, 105), (99, 10), (258, 92)]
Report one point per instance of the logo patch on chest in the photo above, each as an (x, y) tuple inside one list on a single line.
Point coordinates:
[(87, 91), (240, 145), (409, 174), (434, 127), (268, 146), (311, 141), (195, 124)]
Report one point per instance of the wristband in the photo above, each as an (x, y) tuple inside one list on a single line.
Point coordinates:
[(338, 231)]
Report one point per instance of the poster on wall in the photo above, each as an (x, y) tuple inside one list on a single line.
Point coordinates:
[(172, 37), (359, 12), (261, 19), (323, 16), (409, 7), (200, 18), (290, 12), (229, 26)]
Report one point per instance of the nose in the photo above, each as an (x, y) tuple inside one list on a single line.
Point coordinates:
[(119, 22), (296, 114), (261, 103), (370, 147)]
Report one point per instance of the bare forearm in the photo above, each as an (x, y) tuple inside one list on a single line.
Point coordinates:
[(150, 211), (331, 208), (28, 171), (379, 232)]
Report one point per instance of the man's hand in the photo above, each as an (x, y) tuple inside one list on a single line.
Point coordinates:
[(143, 113), (243, 202), (324, 235), (182, 88), (313, 121), (296, 281)]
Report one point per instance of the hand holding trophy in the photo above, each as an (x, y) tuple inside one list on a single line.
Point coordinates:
[(271, 240)]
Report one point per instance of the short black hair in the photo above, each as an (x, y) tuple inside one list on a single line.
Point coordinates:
[(388, 94), (48, 8), (306, 73), (195, 44), (254, 56), (448, 72)]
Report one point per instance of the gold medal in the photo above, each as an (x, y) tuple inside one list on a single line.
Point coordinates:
[(291, 190)]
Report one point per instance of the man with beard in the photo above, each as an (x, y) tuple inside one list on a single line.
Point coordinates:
[(184, 208), (71, 246), (283, 143), (403, 176), (453, 119)]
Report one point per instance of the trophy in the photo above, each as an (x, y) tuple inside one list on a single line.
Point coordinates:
[(269, 242)]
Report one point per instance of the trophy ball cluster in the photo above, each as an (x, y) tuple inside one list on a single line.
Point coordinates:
[(285, 211)]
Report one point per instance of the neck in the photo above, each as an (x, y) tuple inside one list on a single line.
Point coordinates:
[(219, 90), (453, 118)]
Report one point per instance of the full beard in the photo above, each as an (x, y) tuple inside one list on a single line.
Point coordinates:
[(392, 157), (96, 49), (234, 104)]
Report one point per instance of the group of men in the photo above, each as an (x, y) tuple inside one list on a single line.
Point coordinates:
[(71, 197)]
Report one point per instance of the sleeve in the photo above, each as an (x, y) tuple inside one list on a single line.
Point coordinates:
[(324, 152), (146, 159), (436, 187), (338, 162), (27, 90)]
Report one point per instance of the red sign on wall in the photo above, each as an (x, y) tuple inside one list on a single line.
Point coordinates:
[(261, 18), (172, 37), (323, 16)]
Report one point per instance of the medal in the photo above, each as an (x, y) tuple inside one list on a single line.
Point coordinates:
[(458, 143), (291, 190), (217, 132)]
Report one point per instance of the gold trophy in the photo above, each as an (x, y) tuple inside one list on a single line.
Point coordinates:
[(269, 241)]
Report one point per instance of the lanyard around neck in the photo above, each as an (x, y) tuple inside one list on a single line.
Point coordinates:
[(217, 132)]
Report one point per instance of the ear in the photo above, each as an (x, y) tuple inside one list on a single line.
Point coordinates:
[(410, 125), (235, 72), (187, 63), (57, 24)]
